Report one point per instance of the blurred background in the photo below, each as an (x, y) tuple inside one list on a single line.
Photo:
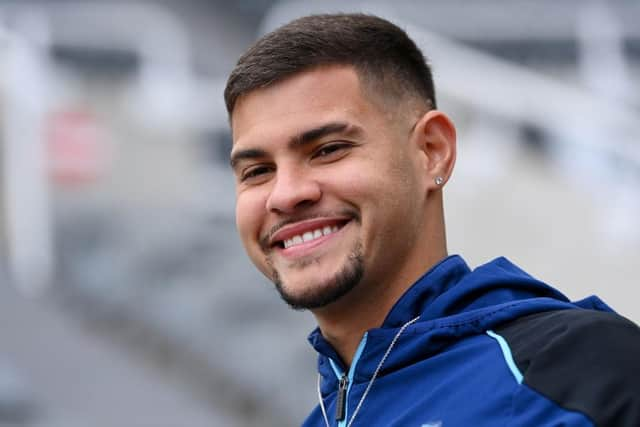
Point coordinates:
[(125, 295)]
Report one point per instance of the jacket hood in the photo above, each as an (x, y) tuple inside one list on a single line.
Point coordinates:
[(451, 301)]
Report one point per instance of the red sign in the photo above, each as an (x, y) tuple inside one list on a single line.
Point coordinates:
[(75, 147)]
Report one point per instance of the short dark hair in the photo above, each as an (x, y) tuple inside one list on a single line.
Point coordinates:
[(381, 53)]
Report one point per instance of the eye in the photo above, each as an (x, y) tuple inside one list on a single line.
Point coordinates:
[(331, 151), (255, 174)]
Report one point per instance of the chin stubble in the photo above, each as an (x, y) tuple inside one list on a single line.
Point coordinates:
[(326, 293)]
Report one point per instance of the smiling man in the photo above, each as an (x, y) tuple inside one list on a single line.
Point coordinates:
[(340, 158)]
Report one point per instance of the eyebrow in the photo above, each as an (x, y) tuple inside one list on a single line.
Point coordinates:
[(251, 153), (316, 133), (304, 138)]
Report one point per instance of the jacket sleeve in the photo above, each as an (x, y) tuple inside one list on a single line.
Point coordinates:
[(584, 361)]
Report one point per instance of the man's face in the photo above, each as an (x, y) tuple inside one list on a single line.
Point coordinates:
[(329, 192)]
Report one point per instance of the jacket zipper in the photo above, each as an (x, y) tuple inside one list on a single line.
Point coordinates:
[(344, 383), (342, 397)]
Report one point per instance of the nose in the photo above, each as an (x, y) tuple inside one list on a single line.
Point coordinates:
[(293, 189)]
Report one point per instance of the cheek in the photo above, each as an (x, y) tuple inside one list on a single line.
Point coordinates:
[(354, 189), (249, 216), (385, 192), (375, 182)]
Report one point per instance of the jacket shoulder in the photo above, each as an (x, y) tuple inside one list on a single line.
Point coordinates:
[(583, 360)]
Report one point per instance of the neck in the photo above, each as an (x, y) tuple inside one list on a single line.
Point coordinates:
[(344, 323)]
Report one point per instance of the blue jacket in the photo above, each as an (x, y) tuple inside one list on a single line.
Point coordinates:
[(492, 347)]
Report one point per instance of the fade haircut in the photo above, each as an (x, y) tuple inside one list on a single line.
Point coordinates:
[(386, 60)]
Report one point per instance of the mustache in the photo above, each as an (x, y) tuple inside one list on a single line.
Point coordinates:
[(266, 238)]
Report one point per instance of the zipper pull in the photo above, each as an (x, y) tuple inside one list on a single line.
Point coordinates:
[(342, 398)]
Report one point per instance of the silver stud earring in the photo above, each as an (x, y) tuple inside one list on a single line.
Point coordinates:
[(439, 180)]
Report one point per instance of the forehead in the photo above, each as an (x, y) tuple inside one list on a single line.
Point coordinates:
[(306, 99)]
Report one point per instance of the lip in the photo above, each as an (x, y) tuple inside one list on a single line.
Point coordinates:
[(301, 227), (288, 231), (308, 248)]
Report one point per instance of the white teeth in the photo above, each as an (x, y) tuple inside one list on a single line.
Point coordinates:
[(308, 236)]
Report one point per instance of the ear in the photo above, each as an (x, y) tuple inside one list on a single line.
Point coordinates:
[(435, 137)]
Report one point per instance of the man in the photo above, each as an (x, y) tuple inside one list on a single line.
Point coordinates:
[(340, 158)]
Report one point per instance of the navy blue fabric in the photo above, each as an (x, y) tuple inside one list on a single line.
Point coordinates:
[(445, 368)]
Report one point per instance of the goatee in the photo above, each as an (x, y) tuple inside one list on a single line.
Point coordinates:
[(326, 293)]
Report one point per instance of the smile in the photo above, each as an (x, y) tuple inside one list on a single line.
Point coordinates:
[(309, 236), (298, 238)]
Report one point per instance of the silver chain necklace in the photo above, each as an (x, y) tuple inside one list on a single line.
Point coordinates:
[(373, 377)]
